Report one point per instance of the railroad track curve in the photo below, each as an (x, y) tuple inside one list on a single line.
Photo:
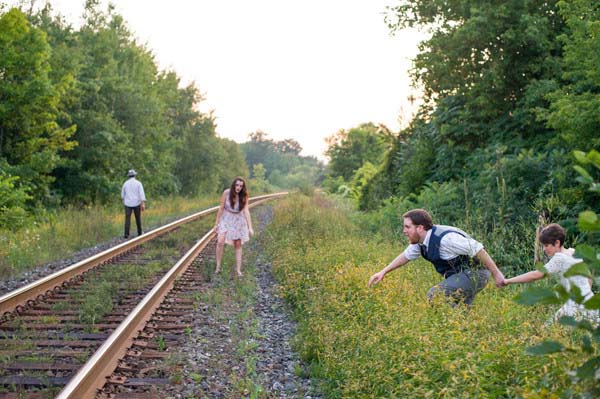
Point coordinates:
[(48, 343)]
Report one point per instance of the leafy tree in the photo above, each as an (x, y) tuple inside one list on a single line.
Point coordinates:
[(288, 146), (197, 157), (259, 182), (258, 149), (30, 135), (281, 159), (98, 88), (405, 167), (486, 72), (230, 163), (361, 177), (349, 150), (122, 109), (486, 52), (273, 155), (12, 201), (575, 104)]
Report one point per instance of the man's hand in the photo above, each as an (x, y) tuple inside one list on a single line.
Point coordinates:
[(499, 280), (376, 278)]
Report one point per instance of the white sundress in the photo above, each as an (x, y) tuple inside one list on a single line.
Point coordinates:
[(233, 223), (558, 265)]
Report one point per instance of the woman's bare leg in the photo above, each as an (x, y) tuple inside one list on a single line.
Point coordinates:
[(220, 245), (238, 256)]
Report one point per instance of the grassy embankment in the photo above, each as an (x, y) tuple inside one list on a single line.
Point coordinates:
[(387, 341), (70, 230)]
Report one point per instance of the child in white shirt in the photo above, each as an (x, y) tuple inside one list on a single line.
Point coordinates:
[(552, 238)]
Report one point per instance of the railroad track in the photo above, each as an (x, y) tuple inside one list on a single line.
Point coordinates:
[(63, 335)]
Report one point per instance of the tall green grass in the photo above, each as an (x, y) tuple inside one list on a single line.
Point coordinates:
[(387, 341), (68, 230)]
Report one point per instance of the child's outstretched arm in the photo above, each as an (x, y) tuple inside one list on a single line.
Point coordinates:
[(525, 277)]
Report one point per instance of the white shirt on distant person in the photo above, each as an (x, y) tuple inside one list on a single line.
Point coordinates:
[(132, 193)]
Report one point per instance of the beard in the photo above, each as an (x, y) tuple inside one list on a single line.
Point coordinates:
[(413, 240)]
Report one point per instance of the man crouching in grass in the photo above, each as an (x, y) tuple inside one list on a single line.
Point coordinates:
[(453, 253)]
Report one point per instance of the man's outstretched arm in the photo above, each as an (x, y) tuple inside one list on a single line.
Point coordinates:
[(396, 263), (489, 263)]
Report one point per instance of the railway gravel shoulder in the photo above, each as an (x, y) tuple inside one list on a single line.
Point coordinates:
[(240, 345)]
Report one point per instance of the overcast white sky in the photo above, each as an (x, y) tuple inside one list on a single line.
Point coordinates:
[(293, 69)]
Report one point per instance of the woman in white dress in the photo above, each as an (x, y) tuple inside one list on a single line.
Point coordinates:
[(233, 225), (552, 238)]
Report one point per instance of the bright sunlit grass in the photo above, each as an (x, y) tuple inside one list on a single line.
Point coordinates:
[(70, 230), (388, 341)]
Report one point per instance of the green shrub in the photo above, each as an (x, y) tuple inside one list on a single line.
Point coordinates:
[(387, 341), (12, 202), (588, 346)]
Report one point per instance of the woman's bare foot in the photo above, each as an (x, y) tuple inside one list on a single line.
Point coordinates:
[(217, 270), (239, 274)]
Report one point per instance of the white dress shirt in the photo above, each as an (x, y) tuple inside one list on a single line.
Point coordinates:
[(132, 193), (451, 246)]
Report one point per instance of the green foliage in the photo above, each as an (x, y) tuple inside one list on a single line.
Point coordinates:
[(30, 134), (12, 202), (97, 87), (333, 184), (485, 72), (349, 150), (541, 295), (259, 182), (441, 200), (545, 348), (67, 230), (588, 222), (122, 109), (574, 105), (485, 52), (387, 341), (361, 178), (205, 163), (285, 167), (405, 167), (502, 110)]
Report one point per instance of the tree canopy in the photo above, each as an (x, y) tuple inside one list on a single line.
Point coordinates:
[(79, 107), (281, 162)]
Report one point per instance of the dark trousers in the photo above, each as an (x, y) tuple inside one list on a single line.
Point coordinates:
[(461, 287), (137, 211)]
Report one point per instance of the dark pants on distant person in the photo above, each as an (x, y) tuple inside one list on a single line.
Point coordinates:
[(137, 211)]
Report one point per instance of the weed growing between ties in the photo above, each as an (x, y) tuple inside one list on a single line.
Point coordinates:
[(387, 341), (103, 288), (231, 302), (68, 230)]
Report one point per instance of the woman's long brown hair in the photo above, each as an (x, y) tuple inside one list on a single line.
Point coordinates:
[(243, 195)]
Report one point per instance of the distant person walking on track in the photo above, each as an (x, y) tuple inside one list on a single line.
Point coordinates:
[(453, 253), (552, 238), (133, 199), (233, 225)]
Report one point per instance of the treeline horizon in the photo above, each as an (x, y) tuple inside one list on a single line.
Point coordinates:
[(79, 107)]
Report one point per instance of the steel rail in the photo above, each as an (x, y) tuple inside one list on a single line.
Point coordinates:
[(92, 376), (21, 296)]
